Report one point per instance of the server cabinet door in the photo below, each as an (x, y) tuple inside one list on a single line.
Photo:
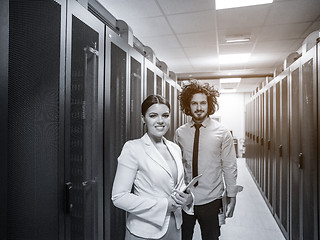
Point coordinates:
[(266, 145), (149, 82), (175, 109), (84, 72), (295, 200), (116, 125), (261, 142), (170, 93), (136, 93), (159, 85), (153, 79), (34, 183), (284, 154), (277, 159), (271, 147), (173, 117), (309, 146)]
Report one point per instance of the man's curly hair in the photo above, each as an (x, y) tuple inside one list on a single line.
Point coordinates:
[(194, 87)]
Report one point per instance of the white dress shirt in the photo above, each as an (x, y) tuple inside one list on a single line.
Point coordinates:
[(216, 157)]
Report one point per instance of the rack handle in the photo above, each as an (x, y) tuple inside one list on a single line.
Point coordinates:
[(300, 161), (68, 189)]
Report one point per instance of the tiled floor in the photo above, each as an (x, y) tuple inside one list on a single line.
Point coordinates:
[(252, 218)]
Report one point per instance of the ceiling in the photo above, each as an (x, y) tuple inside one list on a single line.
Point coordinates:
[(189, 35)]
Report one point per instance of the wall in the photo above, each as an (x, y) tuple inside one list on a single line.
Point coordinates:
[(232, 115)]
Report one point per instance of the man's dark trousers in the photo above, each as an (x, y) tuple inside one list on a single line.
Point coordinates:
[(207, 216)]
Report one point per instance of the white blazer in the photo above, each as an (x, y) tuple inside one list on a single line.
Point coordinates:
[(142, 166)]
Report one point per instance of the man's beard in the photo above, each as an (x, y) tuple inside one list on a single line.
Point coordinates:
[(197, 117)]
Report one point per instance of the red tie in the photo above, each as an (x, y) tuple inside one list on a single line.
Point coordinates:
[(195, 152)]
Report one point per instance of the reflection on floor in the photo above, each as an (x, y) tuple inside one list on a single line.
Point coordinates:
[(252, 218)]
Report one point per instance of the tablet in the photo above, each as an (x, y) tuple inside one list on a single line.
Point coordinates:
[(192, 182)]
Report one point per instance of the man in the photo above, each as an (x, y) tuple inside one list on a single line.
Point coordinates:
[(213, 156)]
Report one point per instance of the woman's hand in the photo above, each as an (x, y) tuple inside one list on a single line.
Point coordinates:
[(181, 198), (172, 205)]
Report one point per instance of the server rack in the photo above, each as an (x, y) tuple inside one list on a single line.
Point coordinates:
[(74, 99), (36, 96), (153, 75), (136, 92), (288, 134), (116, 123), (84, 125)]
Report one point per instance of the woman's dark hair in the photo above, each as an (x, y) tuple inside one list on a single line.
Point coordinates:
[(195, 87), (153, 99)]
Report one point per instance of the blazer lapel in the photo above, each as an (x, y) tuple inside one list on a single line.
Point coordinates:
[(178, 161), (154, 154)]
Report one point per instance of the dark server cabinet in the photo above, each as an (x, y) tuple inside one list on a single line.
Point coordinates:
[(271, 197), (254, 145), (276, 134), (136, 93), (167, 95), (261, 142), (281, 154), (56, 55), (35, 163), (149, 83), (173, 112), (116, 120), (265, 143), (249, 131), (304, 211), (153, 79), (176, 111), (308, 147), (84, 125), (294, 153), (284, 157), (159, 87)]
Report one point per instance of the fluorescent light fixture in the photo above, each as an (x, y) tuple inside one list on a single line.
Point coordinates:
[(230, 80), (237, 38), (234, 58), (223, 4)]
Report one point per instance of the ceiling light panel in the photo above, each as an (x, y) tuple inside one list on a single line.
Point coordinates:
[(224, 4), (238, 39)]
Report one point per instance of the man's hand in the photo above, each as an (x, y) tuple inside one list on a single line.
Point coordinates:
[(230, 207)]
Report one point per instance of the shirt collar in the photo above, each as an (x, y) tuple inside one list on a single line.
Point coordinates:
[(204, 123)]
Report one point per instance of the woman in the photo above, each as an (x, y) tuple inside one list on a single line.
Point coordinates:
[(152, 165)]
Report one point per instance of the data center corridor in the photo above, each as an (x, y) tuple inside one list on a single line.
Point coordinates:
[(252, 218)]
